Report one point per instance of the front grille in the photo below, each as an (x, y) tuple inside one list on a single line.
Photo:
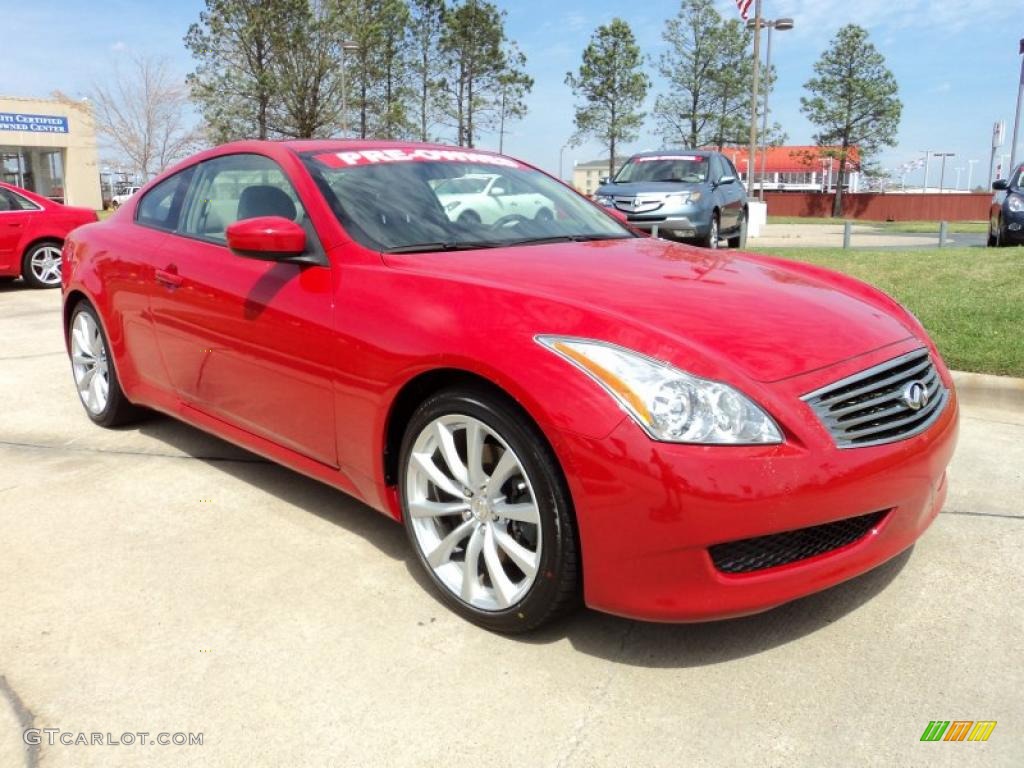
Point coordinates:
[(777, 549), (876, 406)]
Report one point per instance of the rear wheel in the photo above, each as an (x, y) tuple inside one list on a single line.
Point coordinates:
[(93, 369), (40, 267), (544, 214), (469, 218), (487, 511)]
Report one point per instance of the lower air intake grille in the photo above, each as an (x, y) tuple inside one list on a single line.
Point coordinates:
[(900, 398), (777, 549)]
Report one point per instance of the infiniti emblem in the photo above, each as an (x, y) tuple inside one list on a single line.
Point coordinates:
[(915, 395)]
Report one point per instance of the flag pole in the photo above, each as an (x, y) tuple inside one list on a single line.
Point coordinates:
[(752, 149)]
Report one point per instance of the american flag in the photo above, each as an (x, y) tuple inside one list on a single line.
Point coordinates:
[(744, 6)]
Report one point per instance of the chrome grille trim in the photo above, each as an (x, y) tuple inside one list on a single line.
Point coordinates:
[(865, 409)]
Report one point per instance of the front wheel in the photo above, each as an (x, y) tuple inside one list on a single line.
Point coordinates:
[(711, 239), (93, 369), (487, 512), (740, 240)]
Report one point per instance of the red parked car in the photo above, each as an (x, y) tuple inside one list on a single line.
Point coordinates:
[(553, 405), (32, 232)]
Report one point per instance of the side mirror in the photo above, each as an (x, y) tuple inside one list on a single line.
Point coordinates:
[(1000, 184), (727, 180), (268, 238), (605, 180)]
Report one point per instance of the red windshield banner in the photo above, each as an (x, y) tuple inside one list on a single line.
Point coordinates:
[(411, 155)]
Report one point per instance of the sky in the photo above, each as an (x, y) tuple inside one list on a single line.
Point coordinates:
[(956, 63)]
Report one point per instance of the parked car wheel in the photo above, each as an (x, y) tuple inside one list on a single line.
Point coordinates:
[(544, 214), (40, 267), (711, 239), (740, 240), (469, 218), (94, 373), (487, 511)]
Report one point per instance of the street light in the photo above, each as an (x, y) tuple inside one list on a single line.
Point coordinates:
[(970, 173), (346, 47), (782, 25), (1016, 115), (561, 154), (942, 175)]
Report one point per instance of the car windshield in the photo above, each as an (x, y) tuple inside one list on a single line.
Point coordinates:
[(668, 167), (418, 200)]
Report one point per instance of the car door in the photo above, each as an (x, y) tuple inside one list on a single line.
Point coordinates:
[(729, 192), (15, 217), (249, 342)]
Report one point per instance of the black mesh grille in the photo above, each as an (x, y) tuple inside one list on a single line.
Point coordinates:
[(763, 552)]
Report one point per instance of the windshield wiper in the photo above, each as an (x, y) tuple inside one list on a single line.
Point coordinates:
[(565, 239), (449, 246)]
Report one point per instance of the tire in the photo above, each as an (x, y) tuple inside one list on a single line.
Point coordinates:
[(544, 214), (469, 218), (535, 531), (114, 205), (711, 239), (92, 369), (740, 240), (40, 265)]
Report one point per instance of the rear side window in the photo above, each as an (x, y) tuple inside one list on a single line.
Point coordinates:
[(161, 206), (11, 201)]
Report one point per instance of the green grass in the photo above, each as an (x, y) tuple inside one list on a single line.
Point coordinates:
[(955, 227), (104, 214), (971, 300)]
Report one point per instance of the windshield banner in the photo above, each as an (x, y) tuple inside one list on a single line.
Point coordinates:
[(411, 155)]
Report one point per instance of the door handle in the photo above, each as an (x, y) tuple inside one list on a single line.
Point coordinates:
[(169, 278)]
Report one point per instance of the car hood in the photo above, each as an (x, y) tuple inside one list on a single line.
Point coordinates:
[(770, 321), (648, 187)]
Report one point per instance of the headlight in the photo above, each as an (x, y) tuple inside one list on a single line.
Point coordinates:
[(669, 404), (452, 205), (605, 200), (682, 198), (1015, 203)]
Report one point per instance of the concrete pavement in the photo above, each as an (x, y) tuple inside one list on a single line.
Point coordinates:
[(157, 579)]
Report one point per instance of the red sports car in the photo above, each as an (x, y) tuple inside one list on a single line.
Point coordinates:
[(32, 231), (555, 407)]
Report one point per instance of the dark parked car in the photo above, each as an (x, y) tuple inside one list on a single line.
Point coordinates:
[(1006, 216), (687, 194)]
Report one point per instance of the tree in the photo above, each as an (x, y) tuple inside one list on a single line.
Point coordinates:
[(304, 72), (233, 84), (479, 67), (853, 101), (379, 29), (613, 87), (425, 25), (513, 85), (142, 115)]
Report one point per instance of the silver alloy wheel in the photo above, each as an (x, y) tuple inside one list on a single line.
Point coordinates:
[(45, 264), (89, 363), (713, 234), (473, 512)]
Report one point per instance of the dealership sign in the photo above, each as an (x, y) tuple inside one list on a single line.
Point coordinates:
[(16, 121)]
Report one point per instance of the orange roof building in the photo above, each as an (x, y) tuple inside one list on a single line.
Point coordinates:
[(799, 168)]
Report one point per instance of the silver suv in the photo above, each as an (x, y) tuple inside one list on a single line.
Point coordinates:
[(686, 194)]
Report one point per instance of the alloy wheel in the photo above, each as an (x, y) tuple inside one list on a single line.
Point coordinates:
[(45, 264), (473, 512), (90, 363)]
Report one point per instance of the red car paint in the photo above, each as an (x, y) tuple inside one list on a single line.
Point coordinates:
[(305, 364), (21, 230)]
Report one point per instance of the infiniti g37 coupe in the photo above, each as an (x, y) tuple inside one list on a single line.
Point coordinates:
[(555, 407)]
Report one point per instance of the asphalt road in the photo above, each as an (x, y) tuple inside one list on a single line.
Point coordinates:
[(155, 579)]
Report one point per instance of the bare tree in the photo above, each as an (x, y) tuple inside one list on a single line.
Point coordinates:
[(142, 113)]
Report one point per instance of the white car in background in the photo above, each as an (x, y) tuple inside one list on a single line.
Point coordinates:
[(490, 198), (118, 200)]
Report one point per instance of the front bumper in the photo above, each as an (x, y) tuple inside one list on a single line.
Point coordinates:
[(680, 226), (649, 512)]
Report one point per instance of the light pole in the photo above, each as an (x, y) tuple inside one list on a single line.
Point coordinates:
[(959, 170), (927, 156), (1016, 115), (782, 25), (942, 175), (752, 149), (346, 47), (561, 155)]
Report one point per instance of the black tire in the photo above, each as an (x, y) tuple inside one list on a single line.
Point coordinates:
[(740, 240), (118, 410), (27, 272), (710, 240), (555, 589), (544, 214), (469, 218)]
